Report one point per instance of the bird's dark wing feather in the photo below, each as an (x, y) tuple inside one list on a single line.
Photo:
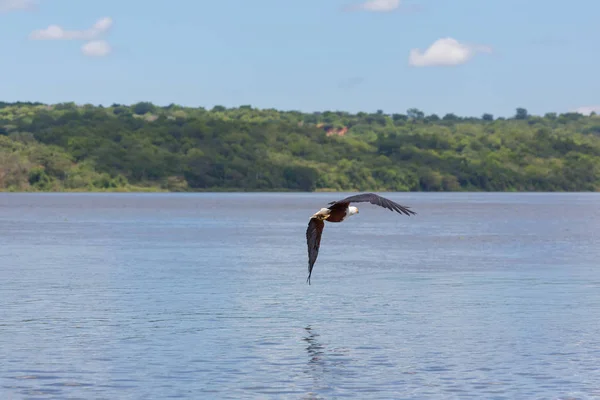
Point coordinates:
[(373, 199), (313, 241)]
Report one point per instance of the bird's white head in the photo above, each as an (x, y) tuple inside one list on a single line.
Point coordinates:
[(352, 210)]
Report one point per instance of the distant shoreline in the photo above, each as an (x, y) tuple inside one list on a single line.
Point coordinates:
[(146, 148), (117, 191)]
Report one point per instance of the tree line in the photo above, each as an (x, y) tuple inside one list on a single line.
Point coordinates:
[(70, 147)]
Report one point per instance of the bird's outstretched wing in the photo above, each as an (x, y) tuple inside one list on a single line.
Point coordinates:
[(373, 199), (313, 241)]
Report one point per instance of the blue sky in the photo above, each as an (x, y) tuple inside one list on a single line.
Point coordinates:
[(309, 55)]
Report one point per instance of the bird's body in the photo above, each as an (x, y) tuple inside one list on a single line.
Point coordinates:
[(339, 211), (338, 214)]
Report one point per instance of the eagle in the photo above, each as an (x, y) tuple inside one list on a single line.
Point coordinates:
[(338, 211)]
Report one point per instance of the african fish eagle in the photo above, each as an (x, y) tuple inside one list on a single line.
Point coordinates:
[(338, 211)]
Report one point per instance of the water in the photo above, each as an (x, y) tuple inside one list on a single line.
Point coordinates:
[(140, 296)]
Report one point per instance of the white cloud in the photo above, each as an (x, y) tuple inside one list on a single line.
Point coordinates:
[(14, 5), (56, 32), (376, 5), (445, 52), (96, 48), (380, 5), (587, 110)]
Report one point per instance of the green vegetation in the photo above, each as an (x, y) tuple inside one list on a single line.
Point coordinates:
[(66, 147)]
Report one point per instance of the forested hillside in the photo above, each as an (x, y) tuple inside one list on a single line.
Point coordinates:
[(145, 147)]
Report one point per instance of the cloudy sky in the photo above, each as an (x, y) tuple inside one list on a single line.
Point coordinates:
[(461, 56)]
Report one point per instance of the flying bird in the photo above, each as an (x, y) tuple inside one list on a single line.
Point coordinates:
[(338, 211)]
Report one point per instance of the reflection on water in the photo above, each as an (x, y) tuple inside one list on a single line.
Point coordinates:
[(315, 360), (204, 296), (326, 366), (314, 349)]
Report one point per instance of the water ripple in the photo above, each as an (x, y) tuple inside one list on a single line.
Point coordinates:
[(153, 296)]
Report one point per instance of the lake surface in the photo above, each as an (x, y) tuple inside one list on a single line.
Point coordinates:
[(202, 296)]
